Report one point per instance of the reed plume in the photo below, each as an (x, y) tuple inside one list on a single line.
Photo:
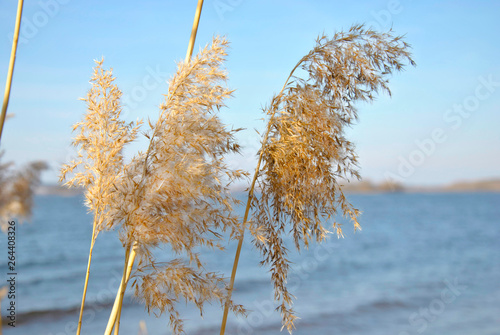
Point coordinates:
[(100, 139), (173, 196), (177, 192), (17, 188), (305, 154)]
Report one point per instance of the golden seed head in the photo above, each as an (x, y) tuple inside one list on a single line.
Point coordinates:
[(305, 153)]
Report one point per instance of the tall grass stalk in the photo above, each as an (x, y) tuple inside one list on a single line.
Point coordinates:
[(304, 153), (174, 195), (131, 253), (192, 39), (87, 274), (245, 221), (12, 61), (100, 139)]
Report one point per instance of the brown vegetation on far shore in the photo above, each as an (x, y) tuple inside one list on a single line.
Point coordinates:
[(362, 187), (369, 187)]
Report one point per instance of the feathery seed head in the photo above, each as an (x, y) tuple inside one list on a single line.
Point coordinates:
[(17, 189), (176, 193), (305, 153), (100, 138)]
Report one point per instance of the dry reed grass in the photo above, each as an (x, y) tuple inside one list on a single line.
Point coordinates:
[(175, 194), (17, 188), (305, 154), (101, 137)]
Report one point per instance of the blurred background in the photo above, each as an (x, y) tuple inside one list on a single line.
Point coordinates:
[(453, 92), (427, 258)]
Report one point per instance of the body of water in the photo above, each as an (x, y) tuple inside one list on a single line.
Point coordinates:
[(423, 264)]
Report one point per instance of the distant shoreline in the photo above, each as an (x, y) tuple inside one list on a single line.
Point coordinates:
[(363, 187), (58, 190), (367, 187)]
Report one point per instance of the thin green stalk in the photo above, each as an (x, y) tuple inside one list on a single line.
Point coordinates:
[(10, 72)]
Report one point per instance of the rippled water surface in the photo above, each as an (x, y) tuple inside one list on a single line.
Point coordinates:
[(423, 264)]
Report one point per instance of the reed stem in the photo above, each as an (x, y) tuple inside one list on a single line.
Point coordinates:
[(87, 275), (12, 61), (129, 263), (120, 303), (127, 270), (247, 211), (194, 30)]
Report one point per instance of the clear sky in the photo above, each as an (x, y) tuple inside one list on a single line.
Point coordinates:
[(441, 125)]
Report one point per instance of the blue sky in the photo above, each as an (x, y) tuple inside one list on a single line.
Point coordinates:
[(441, 124)]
